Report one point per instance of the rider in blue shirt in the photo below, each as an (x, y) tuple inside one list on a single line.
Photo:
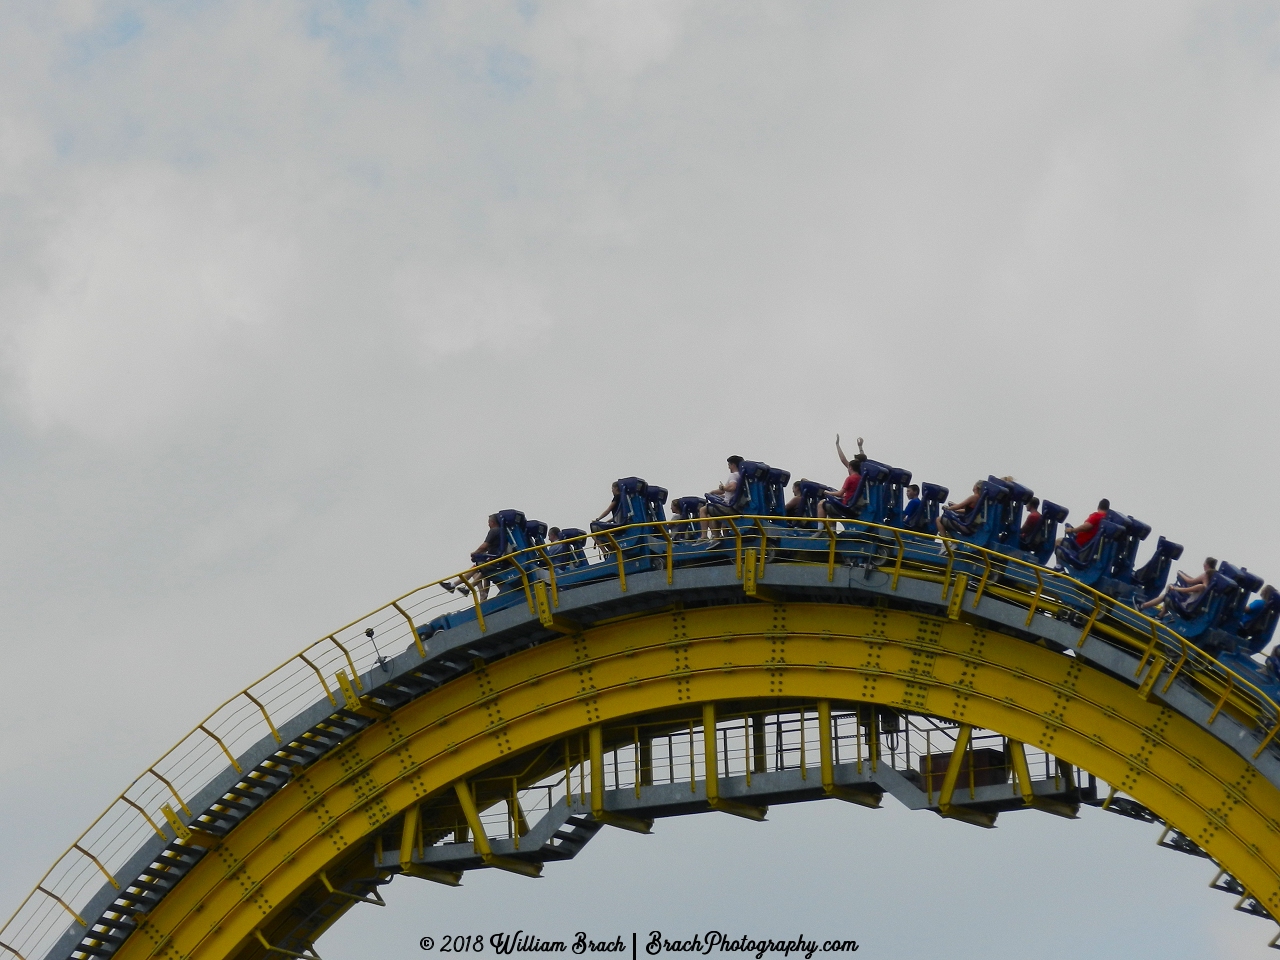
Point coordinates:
[(1257, 603), (911, 512)]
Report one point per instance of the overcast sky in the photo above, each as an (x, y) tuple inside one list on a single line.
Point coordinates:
[(293, 293)]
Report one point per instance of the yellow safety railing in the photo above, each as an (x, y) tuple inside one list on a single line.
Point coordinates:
[(262, 709)]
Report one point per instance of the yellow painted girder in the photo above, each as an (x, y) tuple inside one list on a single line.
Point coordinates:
[(758, 651)]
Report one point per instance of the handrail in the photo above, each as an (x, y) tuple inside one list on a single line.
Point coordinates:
[(1040, 589)]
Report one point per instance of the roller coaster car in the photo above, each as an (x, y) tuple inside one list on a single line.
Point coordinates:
[(737, 503), (1119, 579), (761, 491), (1248, 583), (753, 495), (1039, 541), (766, 495), (655, 499), (899, 477), (515, 540), (932, 497), (631, 506), (885, 498), (518, 562), (1090, 562), (1150, 578), (536, 532), (1241, 630), (1207, 610), (811, 494), (872, 504), (982, 524), (1007, 536), (1135, 532), (1258, 626), (1252, 636), (568, 556), (638, 503), (685, 508), (925, 521), (776, 499), (1253, 632)]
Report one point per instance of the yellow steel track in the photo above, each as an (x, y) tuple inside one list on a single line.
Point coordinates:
[(759, 652), (960, 633)]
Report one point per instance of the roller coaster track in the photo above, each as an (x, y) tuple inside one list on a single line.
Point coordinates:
[(727, 677)]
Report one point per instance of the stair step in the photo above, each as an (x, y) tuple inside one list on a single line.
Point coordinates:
[(255, 790), (293, 754), (153, 885), (153, 875), (176, 861), (224, 801), (143, 898), (217, 822), (122, 924), (96, 950)]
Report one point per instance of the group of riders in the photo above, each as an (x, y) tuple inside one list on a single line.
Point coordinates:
[(841, 503)]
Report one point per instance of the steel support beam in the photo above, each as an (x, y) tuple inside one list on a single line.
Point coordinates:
[(480, 840), (827, 758), (1018, 758), (618, 672), (710, 755), (595, 738)]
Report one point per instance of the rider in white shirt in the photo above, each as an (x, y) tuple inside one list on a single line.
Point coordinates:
[(719, 501)]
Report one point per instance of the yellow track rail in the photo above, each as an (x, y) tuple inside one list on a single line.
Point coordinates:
[(610, 673)]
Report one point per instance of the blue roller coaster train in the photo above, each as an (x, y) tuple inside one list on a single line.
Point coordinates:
[(1218, 616)]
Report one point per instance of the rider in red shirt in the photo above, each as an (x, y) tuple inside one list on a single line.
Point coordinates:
[(1089, 529), (849, 489), (848, 494)]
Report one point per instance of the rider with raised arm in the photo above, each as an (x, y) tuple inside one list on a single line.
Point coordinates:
[(842, 504), (857, 457), (491, 547)]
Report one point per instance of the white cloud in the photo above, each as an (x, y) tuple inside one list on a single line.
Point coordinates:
[(292, 293), (600, 47), (460, 310), (151, 287)]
